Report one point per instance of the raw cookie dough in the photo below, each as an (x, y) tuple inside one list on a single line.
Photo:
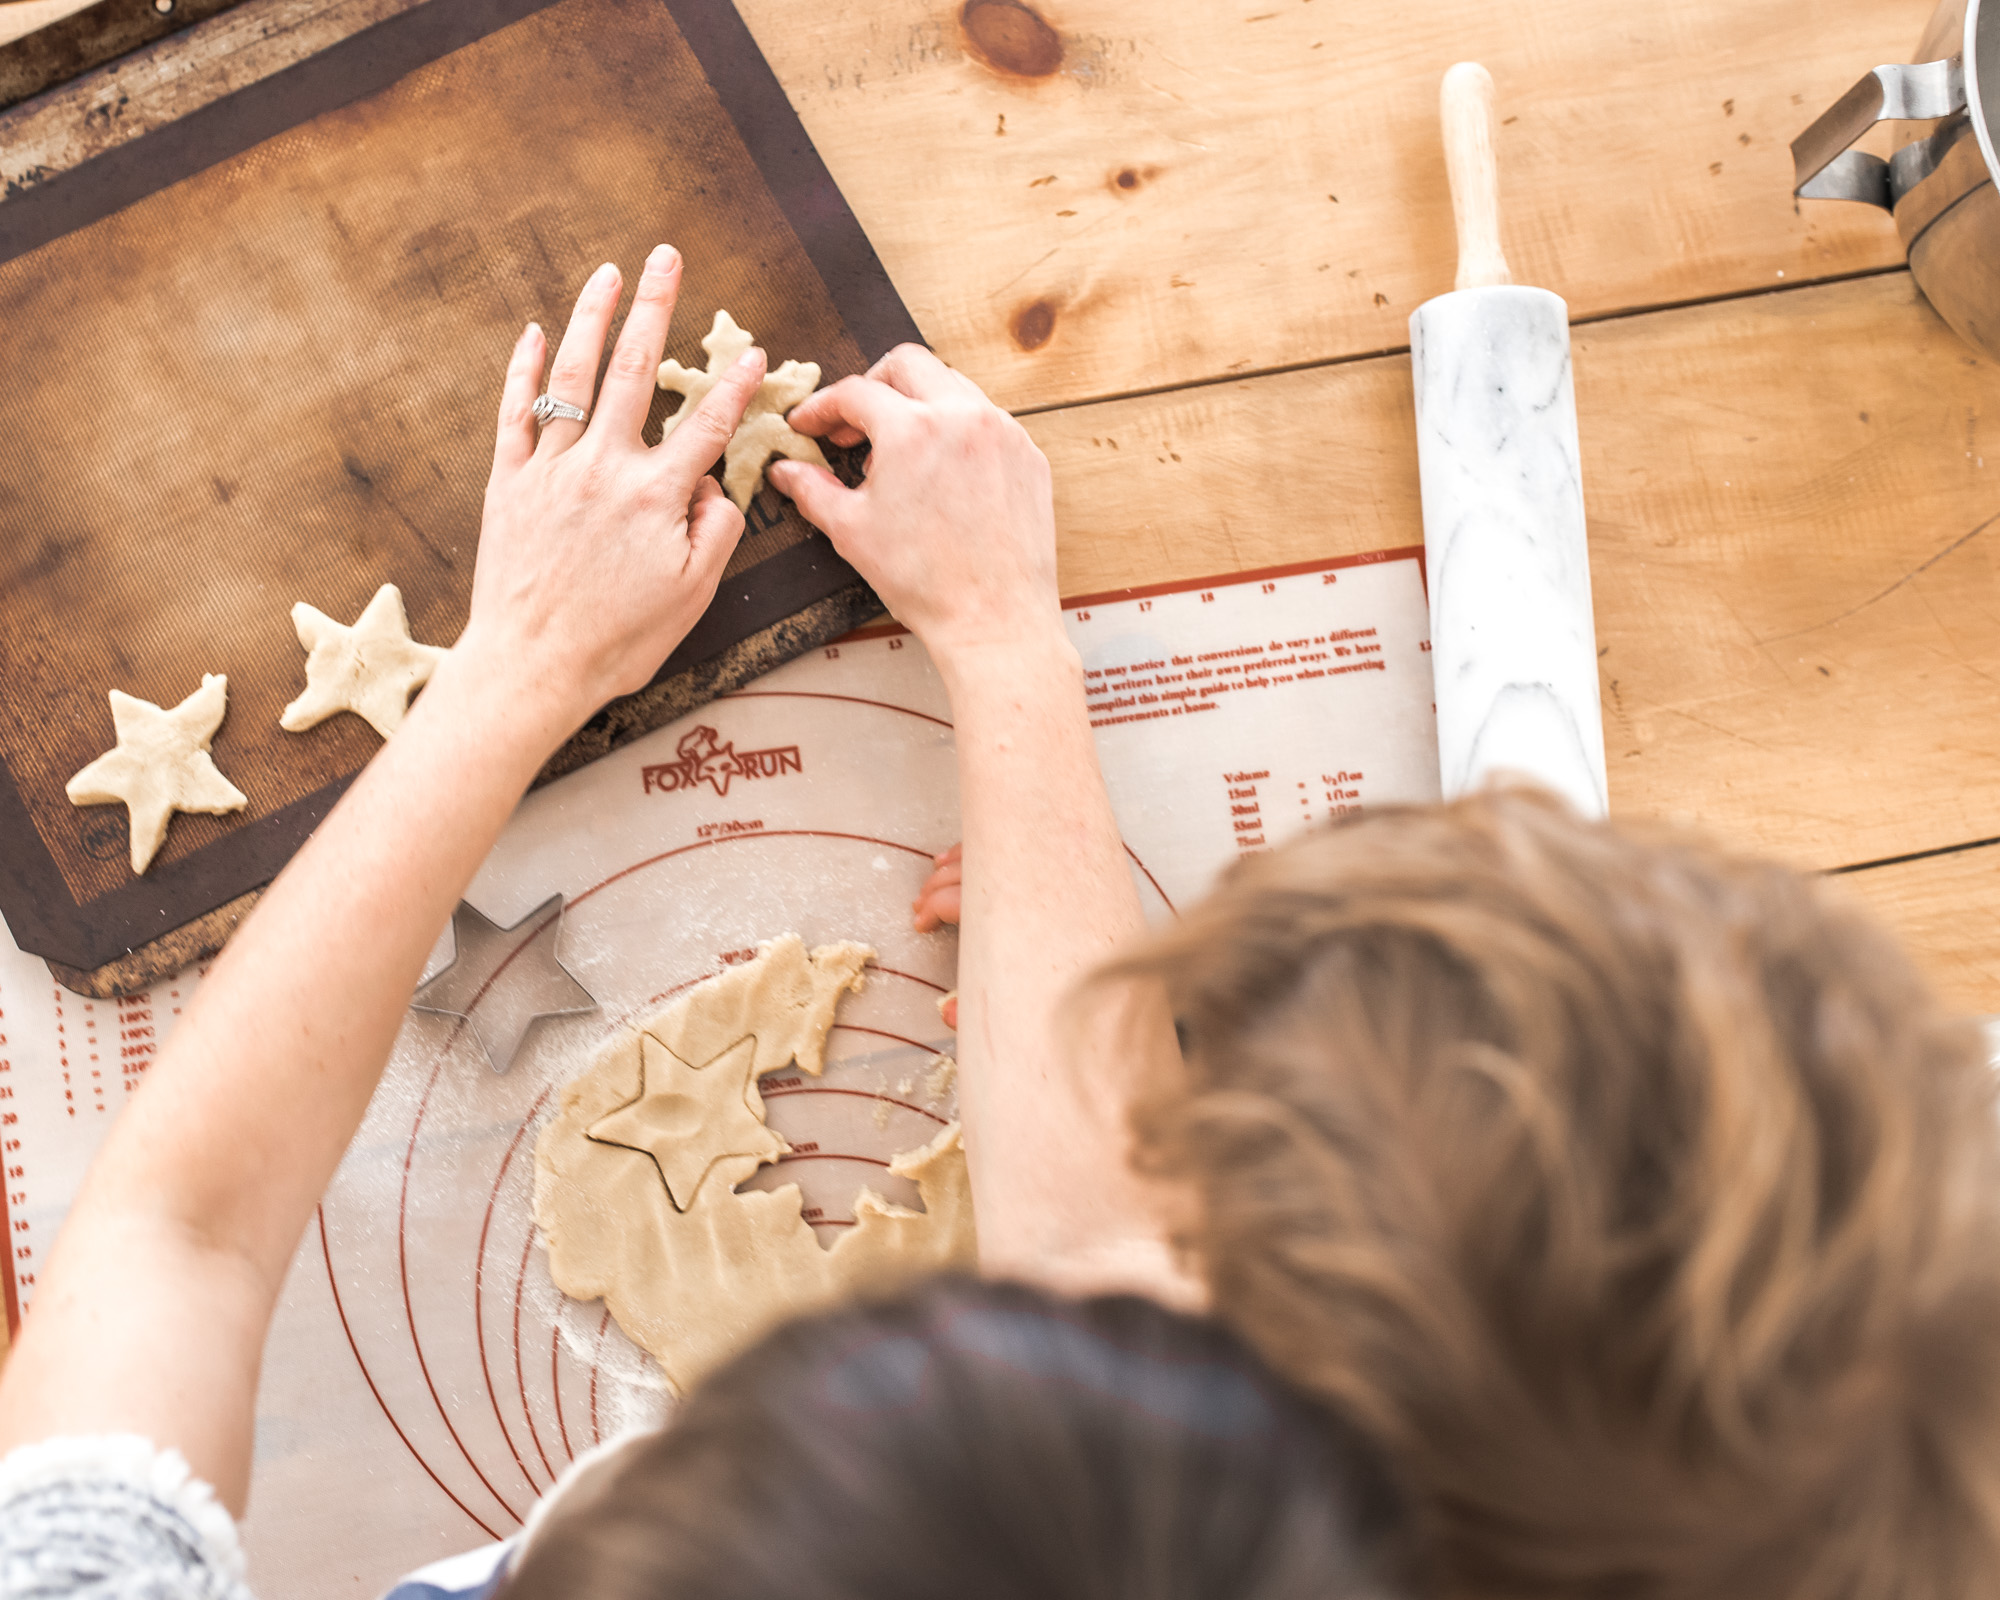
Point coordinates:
[(370, 669), (635, 1190), (689, 1117), (161, 765), (763, 433)]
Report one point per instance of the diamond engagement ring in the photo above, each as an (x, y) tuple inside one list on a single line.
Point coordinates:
[(547, 408)]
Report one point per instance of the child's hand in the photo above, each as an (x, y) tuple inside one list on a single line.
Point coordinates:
[(597, 554), (954, 526), (938, 901)]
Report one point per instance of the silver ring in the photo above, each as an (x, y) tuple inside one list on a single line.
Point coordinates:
[(547, 408)]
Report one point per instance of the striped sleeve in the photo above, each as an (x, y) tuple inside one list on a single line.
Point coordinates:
[(112, 1518)]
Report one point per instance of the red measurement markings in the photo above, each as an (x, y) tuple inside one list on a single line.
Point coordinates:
[(62, 1052), (1411, 552), (1343, 792), (20, 1263), (138, 1039), (340, 1310), (93, 1046), (1246, 809)]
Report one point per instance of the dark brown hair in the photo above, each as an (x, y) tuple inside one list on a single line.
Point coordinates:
[(983, 1442), (1637, 1196)]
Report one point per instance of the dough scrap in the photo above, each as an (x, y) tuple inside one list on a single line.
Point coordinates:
[(160, 765), (763, 432), (371, 668), (694, 1285)]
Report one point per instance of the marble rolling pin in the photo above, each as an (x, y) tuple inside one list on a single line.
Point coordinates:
[(1513, 647)]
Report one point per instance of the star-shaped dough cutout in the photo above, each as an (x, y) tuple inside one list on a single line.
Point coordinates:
[(501, 981), (370, 669), (687, 1118), (161, 765), (763, 432)]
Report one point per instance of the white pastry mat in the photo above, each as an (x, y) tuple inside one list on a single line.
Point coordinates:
[(423, 1382)]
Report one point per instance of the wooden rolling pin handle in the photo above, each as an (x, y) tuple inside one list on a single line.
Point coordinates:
[(1465, 107)]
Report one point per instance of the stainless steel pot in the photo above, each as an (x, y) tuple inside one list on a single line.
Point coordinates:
[(1940, 184)]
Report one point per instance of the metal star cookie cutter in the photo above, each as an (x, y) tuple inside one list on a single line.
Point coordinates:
[(501, 981)]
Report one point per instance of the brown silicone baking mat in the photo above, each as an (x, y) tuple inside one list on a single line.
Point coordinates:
[(253, 358)]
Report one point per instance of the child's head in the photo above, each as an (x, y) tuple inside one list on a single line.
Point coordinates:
[(1640, 1198), (982, 1442)]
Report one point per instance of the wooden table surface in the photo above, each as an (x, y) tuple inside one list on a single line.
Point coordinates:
[(1182, 238), (1189, 252)]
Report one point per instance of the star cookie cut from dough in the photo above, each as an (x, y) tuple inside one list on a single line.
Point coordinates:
[(763, 433), (371, 668), (161, 765), (689, 1117)]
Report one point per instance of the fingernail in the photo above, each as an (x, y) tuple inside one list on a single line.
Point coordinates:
[(750, 358), (603, 275), (532, 331), (663, 258)]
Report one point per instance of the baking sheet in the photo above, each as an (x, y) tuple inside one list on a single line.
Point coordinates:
[(424, 1380), (254, 356)]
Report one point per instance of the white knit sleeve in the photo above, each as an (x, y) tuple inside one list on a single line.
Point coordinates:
[(112, 1518)]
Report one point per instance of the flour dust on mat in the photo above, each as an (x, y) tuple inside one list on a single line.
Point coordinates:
[(636, 1177)]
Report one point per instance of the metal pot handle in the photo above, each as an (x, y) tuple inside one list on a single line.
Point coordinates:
[(1823, 168)]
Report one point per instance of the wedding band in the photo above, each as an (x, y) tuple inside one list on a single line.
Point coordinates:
[(547, 408)]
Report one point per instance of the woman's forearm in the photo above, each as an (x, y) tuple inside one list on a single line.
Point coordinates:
[(301, 1010), (955, 528), (1046, 1086), (197, 1203), (597, 553)]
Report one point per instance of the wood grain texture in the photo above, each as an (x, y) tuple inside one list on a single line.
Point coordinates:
[(23, 17), (1189, 191), (1797, 577), (1241, 185), (1947, 910), (101, 32), (182, 73), (1231, 477), (1795, 547)]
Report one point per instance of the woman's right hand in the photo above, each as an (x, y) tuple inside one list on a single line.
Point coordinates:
[(954, 525)]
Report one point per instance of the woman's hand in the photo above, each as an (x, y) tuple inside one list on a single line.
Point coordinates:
[(596, 557), (955, 528), (597, 554), (954, 525)]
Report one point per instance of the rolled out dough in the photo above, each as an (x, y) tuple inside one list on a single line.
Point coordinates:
[(635, 1177)]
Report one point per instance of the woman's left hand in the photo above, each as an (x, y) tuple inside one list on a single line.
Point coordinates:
[(598, 553), (596, 557)]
